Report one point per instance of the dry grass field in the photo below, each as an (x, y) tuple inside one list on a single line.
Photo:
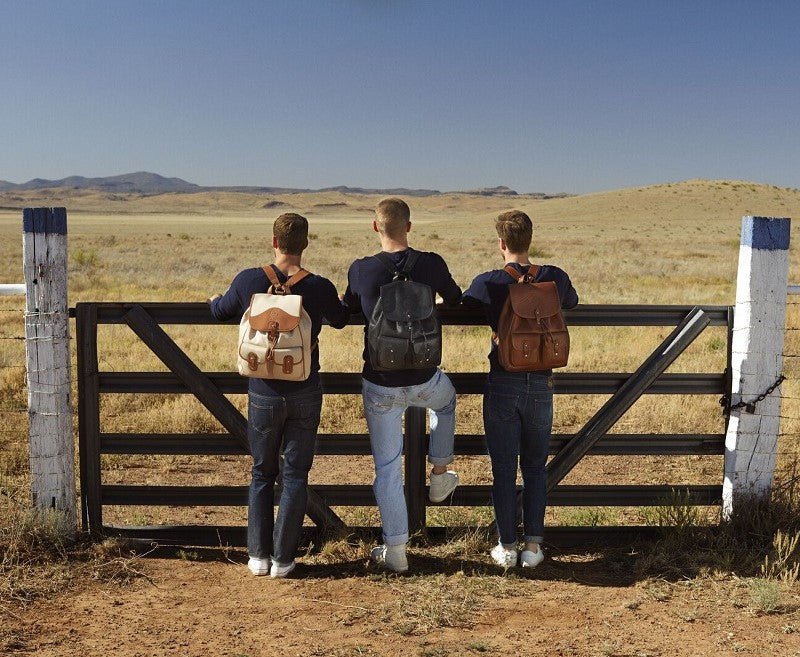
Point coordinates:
[(672, 243)]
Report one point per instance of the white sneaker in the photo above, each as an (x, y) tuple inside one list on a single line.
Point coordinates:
[(392, 557), (531, 559), (503, 556), (279, 571), (258, 566), (442, 486)]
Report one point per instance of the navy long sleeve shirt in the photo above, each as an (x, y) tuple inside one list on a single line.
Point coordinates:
[(490, 290), (364, 280), (320, 300)]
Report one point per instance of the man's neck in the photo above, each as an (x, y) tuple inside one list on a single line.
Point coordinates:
[(393, 246), (288, 264), (518, 258)]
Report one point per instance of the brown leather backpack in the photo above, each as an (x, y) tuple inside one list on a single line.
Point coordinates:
[(531, 332)]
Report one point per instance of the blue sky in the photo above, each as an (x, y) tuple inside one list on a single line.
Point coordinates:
[(539, 96)]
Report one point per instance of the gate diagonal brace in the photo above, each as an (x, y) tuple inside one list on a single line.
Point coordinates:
[(620, 402), (146, 328)]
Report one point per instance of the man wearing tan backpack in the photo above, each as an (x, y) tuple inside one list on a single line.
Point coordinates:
[(522, 303), (278, 304)]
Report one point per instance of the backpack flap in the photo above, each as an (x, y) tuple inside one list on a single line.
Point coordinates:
[(543, 303), (404, 301), (270, 312)]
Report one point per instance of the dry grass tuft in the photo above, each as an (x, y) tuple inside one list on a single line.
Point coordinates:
[(36, 560), (761, 536), (425, 603)]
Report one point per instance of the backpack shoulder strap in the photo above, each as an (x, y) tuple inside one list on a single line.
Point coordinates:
[(271, 275), (297, 277), (511, 271), (411, 260), (529, 276), (387, 263), (293, 280)]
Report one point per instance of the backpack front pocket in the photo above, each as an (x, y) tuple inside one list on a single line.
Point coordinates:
[(525, 349), (390, 353), (287, 362)]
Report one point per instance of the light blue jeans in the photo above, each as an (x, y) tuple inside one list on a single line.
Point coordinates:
[(384, 408)]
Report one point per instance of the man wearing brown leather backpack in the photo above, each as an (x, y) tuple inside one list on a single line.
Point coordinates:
[(522, 303)]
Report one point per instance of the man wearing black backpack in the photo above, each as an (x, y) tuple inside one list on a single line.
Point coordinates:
[(518, 404), (395, 290)]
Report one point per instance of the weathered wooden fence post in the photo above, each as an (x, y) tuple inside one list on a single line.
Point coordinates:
[(751, 441), (52, 449)]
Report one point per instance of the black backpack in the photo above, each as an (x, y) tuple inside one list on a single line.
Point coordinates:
[(404, 332)]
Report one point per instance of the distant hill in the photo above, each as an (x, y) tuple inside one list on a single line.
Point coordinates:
[(144, 182), (141, 182)]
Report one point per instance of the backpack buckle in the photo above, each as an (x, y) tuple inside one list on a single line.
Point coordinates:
[(252, 361), (272, 332), (288, 364)]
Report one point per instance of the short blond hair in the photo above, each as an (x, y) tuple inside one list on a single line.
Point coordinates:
[(291, 231), (392, 216), (515, 228)]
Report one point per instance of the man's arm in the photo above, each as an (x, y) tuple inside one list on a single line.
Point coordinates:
[(448, 288), (477, 294), (229, 305), (333, 309), (350, 299), (570, 296)]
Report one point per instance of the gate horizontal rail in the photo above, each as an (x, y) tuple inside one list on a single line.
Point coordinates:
[(362, 495), (109, 312), (354, 444), (94, 442), (570, 383)]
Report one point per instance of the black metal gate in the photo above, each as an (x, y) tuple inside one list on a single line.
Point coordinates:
[(145, 319)]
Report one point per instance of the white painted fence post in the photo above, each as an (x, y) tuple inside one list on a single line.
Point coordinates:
[(751, 441), (52, 450)]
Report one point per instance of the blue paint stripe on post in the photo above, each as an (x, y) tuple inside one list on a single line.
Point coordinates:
[(45, 220), (767, 233)]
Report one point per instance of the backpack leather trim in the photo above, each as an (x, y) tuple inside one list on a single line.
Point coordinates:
[(274, 319), (283, 288)]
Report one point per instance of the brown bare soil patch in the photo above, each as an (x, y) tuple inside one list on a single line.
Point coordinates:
[(576, 604)]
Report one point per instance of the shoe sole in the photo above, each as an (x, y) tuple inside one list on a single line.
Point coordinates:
[(282, 574), (259, 573), (525, 564), (384, 566), (391, 570), (442, 498)]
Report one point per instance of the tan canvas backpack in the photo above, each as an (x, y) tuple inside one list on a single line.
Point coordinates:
[(275, 333), (531, 332)]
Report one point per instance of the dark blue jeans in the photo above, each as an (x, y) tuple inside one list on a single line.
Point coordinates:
[(518, 421), (290, 421)]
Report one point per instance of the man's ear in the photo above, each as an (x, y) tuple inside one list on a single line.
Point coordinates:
[(501, 244), (274, 242), (375, 226), (408, 227)]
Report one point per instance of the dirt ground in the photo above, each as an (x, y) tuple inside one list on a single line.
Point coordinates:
[(576, 604)]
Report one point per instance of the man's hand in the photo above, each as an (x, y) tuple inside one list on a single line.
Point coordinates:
[(210, 300)]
